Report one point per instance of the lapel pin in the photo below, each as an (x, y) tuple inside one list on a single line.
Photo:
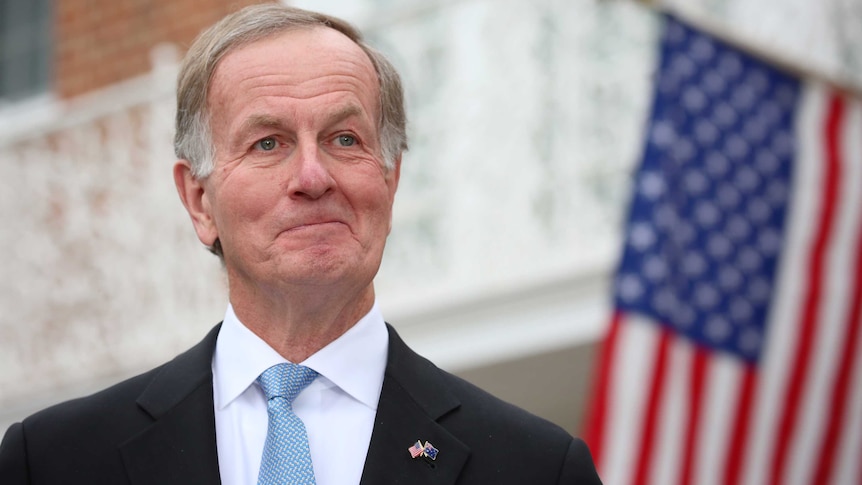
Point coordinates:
[(426, 450), (430, 451), (417, 449)]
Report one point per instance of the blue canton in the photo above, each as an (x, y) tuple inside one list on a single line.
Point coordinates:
[(706, 222)]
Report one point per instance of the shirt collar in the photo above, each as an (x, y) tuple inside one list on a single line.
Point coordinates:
[(354, 362)]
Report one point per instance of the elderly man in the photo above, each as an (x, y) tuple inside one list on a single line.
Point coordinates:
[(290, 131)]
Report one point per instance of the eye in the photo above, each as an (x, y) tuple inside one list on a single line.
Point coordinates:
[(346, 140), (266, 144)]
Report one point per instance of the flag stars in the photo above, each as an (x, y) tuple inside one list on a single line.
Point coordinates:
[(713, 83), (759, 211), (750, 340), (663, 134), (718, 246), (730, 65), (736, 147), (695, 182), (651, 185), (776, 193), (630, 288), (707, 214), (718, 329), (737, 228), (717, 164), (705, 132), (642, 236), (747, 179), (759, 290), (702, 49), (694, 100), (711, 194), (655, 269), (769, 242), (758, 80), (706, 296), (740, 310), (728, 197), (682, 66), (729, 278), (724, 115), (766, 162), (693, 264)]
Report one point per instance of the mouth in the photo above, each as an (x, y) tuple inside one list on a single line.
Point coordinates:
[(316, 225)]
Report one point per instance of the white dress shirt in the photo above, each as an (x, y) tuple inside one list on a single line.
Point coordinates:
[(338, 408)]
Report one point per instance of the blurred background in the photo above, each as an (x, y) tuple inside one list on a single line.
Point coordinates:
[(526, 123)]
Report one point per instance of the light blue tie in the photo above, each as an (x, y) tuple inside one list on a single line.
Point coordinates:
[(286, 457)]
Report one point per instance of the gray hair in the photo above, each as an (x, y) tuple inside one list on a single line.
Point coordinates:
[(193, 140)]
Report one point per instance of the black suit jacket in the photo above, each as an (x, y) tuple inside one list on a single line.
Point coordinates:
[(159, 428)]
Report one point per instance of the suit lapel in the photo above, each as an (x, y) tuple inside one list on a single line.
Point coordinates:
[(413, 398), (180, 446)]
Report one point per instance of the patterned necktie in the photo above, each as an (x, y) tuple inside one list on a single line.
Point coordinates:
[(286, 457)]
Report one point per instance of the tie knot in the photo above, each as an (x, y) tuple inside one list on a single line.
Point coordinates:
[(285, 380)]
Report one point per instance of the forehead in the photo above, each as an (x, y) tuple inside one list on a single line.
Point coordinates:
[(300, 63)]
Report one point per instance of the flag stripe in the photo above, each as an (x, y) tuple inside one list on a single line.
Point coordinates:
[(840, 391), (636, 348), (738, 443), (657, 384), (673, 410), (841, 395), (721, 389), (698, 376), (597, 417), (806, 334)]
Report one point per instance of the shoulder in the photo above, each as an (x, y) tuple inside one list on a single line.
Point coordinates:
[(507, 444), (88, 431)]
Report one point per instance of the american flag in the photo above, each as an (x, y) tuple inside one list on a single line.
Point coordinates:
[(417, 449), (734, 354)]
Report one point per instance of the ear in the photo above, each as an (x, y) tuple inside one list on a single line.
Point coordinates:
[(392, 178), (195, 198)]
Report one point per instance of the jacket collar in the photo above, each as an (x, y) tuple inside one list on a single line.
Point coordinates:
[(179, 447), (414, 398)]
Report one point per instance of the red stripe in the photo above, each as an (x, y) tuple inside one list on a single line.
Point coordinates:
[(698, 375), (648, 436), (841, 389), (808, 323), (738, 444), (596, 422)]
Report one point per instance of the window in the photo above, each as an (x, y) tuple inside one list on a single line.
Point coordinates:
[(25, 49)]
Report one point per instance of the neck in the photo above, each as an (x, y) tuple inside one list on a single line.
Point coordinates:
[(300, 325)]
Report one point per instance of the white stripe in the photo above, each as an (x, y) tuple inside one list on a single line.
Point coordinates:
[(724, 376), (673, 414), (630, 375), (849, 449), (791, 280), (831, 323)]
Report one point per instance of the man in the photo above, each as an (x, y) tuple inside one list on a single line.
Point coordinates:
[(290, 131)]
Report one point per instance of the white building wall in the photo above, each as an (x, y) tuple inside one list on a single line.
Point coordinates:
[(525, 122)]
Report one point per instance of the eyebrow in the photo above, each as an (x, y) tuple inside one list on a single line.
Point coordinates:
[(342, 113), (267, 121)]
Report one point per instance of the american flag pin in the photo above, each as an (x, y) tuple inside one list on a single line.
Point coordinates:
[(416, 450)]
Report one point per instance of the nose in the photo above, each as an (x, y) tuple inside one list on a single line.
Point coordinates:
[(310, 177)]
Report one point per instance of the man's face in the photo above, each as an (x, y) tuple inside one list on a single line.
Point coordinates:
[(299, 194)]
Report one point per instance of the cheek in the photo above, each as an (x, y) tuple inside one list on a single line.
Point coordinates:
[(246, 201)]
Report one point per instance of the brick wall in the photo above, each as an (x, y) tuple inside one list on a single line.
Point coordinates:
[(101, 42)]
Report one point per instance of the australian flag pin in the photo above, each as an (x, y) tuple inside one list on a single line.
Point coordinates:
[(430, 451)]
